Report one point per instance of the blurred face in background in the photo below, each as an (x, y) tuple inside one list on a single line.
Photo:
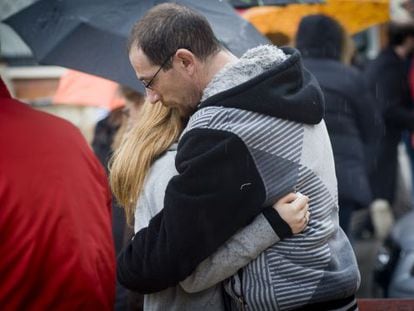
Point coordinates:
[(408, 5), (133, 110), (133, 105)]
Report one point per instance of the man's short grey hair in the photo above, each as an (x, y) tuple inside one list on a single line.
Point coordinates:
[(168, 27)]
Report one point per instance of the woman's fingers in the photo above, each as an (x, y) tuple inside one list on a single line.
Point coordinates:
[(300, 203), (288, 198), (307, 217), (293, 208), (305, 220)]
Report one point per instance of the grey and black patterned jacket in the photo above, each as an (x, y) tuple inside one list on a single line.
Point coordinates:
[(256, 136)]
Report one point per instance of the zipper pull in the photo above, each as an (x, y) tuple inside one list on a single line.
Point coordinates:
[(243, 304)]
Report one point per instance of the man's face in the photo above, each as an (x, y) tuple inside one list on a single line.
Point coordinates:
[(409, 6), (173, 87)]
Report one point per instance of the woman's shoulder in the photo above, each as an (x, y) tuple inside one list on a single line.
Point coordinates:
[(163, 167), (151, 199), (166, 159)]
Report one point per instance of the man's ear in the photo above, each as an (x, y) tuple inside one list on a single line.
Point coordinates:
[(186, 60)]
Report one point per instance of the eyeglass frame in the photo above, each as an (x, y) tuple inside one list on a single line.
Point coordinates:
[(148, 85)]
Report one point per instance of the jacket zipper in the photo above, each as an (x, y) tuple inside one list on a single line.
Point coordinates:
[(240, 298)]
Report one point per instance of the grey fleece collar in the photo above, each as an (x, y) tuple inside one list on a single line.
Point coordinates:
[(254, 62)]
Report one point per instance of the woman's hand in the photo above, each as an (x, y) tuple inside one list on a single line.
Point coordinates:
[(294, 210)]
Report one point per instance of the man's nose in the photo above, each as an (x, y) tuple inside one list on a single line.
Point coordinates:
[(152, 96)]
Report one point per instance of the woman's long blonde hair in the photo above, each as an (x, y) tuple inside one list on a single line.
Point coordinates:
[(156, 130)]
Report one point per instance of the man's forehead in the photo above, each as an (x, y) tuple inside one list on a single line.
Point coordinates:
[(140, 61), (138, 55)]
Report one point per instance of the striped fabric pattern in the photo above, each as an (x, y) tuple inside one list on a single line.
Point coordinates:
[(295, 271), (298, 264), (275, 144)]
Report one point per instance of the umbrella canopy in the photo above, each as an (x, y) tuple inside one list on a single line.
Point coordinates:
[(91, 36), (354, 15), (78, 88), (242, 4)]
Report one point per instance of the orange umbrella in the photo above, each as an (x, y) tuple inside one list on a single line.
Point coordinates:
[(78, 88), (354, 15)]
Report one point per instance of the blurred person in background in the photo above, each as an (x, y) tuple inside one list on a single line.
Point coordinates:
[(55, 226), (387, 77), (104, 134), (350, 114), (131, 114), (107, 136), (408, 136), (115, 123), (142, 167)]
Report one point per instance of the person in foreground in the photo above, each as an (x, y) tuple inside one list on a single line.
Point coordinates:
[(255, 134), (152, 141), (56, 245)]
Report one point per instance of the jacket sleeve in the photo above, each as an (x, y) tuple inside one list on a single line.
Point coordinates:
[(237, 252), (218, 191)]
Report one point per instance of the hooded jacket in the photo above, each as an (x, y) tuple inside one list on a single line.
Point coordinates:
[(256, 136)]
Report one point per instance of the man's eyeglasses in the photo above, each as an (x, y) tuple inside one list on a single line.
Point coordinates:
[(148, 84)]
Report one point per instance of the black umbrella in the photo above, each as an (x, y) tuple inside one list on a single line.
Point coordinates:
[(244, 4), (91, 35)]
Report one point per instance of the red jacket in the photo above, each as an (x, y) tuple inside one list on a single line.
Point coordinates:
[(56, 246)]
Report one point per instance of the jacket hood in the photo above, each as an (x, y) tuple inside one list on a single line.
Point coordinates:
[(320, 36), (270, 81)]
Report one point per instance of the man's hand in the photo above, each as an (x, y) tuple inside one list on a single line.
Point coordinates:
[(294, 210)]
